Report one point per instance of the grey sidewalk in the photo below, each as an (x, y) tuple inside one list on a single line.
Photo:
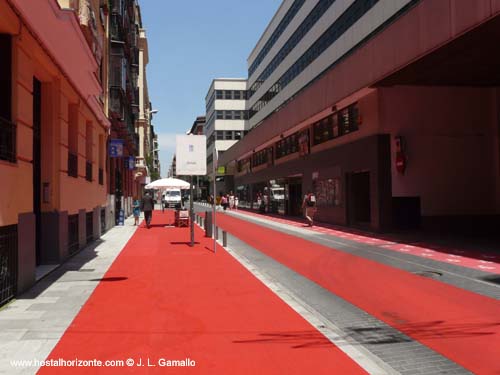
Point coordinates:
[(31, 325)]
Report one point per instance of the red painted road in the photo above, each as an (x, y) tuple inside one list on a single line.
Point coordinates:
[(163, 299), (460, 325), (484, 262)]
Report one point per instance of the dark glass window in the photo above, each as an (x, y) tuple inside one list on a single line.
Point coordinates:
[(219, 115), (228, 135), (237, 115), (218, 94), (237, 134), (220, 134), (228, 94), (228, 115), (330, 36), (287, 146), (237, 95), (290, 14)]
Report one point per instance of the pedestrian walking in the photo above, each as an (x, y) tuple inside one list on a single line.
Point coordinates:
[(147, 205), (231, 200), (136, 205), (309, 207), (224, 202), (236, 200)]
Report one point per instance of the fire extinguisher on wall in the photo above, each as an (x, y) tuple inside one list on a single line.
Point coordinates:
[(400, 154)]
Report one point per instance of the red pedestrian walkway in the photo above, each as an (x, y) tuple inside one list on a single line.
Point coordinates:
[(482, 261), (162, 299), (462, 326)]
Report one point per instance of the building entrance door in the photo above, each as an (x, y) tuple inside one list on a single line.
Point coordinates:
[(37, 165), (359, 204), (294, 202)]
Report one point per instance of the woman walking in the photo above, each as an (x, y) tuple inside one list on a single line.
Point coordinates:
[(136, 205)]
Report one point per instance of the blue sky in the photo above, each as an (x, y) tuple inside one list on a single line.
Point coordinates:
[(191, 43)]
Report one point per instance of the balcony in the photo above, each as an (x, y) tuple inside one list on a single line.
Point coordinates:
[(116, 102), (116, 29), (72, 165), (7, 140)]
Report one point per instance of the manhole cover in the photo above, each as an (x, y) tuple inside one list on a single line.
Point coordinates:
[(430, 274)]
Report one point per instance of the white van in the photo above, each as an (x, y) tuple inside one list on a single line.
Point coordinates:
[(172, 198)]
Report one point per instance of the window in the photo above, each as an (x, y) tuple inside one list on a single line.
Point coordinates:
[(220, 134), (237, 115), (237, 95), (290, 14), (228, 115), (219, 115), (228, 94), (218, 94), (337, 124), (330, 36), (88, 150), (237, 134), (102, 150), (73, 140), (8, 130), (287, 146), (228, 135)]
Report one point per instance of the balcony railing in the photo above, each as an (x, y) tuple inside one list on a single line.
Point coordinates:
[(72, 164), (116, 102), (7, 140), (8, 263), (101, 176), (88, 170)]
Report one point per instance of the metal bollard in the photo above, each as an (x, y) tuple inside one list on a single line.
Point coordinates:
[(208, 224), (216, 233), (224, 238)]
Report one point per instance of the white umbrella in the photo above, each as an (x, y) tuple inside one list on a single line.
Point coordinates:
[(168, 183)]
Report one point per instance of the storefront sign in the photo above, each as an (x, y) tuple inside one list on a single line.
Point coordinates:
[(116, 148)]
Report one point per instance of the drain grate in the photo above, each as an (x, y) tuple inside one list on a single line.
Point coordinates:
[(86, 270), (429, 274)]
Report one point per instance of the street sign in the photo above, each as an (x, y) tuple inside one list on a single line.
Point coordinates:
[(191, 155), (116, 148)]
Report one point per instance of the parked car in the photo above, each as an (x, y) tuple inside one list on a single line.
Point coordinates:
[(172, 198)]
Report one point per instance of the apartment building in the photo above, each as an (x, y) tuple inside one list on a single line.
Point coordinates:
[(53, 130), (226, 122)]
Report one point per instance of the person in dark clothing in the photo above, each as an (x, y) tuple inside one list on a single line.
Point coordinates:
[(147, 205)]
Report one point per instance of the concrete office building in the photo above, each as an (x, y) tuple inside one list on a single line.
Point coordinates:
[(388, 110), (225, 122)]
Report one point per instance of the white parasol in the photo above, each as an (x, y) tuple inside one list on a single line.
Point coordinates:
[(168, 183)]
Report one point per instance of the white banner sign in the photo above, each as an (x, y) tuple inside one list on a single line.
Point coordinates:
[(191, 155)]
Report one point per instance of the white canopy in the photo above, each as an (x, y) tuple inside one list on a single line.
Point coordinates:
[(168, 183)]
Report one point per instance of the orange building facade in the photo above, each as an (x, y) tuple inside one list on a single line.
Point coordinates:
[(54, 134)]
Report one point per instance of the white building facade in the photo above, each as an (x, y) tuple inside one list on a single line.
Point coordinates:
[(226, 120), (305, 39)]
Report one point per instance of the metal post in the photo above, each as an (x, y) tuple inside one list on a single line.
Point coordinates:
[(208, 224), (214, 162), (216, 234), (224, 238), (191, 210)]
